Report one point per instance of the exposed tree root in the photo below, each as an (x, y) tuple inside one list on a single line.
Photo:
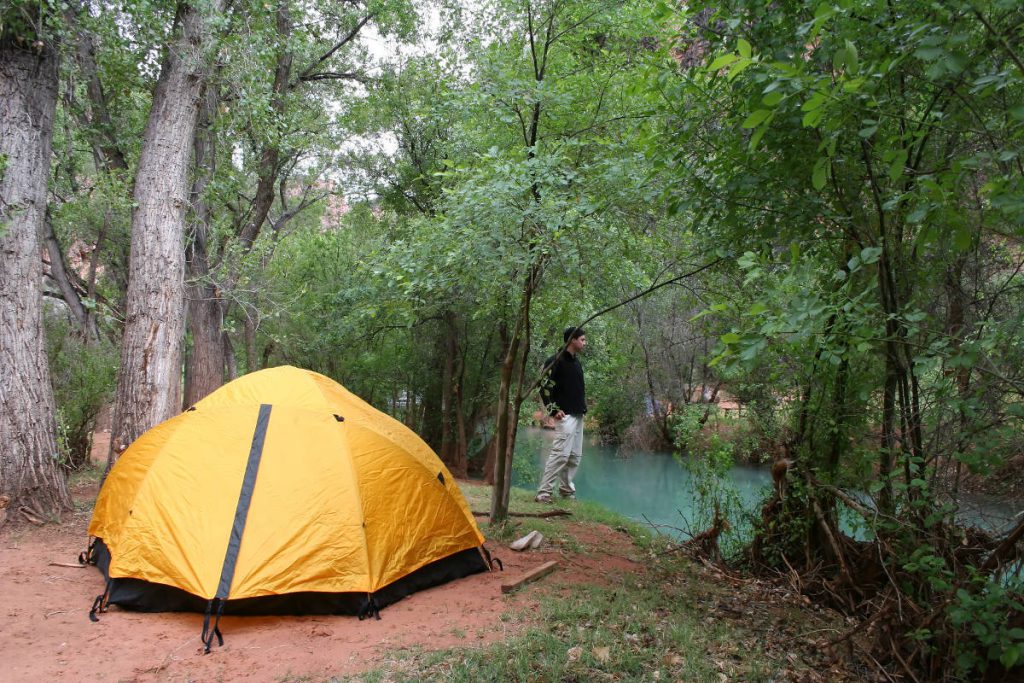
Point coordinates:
[(903, 605)]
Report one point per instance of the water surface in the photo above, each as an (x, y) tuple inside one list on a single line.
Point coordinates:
[(657, 488), (644, 486)]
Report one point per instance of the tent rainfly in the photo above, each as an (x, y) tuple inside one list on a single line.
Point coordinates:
[(280, 493)]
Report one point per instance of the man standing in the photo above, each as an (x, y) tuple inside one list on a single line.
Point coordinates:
[(564, 396)]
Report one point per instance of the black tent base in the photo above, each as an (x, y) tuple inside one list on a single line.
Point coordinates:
[(144, 596)]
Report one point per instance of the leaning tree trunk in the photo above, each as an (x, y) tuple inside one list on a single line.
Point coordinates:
[(29, 472), (149, 379)]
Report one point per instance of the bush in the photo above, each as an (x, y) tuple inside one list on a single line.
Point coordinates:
[(83, 377)]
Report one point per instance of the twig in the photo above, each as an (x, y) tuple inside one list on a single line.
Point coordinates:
[(541, 515), (903, 663), (880, 668), (794, 576), (67, 564), (723, 573)]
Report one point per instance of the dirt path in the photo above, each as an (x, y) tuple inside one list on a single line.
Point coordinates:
[(46, 634)]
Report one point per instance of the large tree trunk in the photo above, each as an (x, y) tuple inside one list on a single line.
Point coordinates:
[(149, 379), (29, 471)]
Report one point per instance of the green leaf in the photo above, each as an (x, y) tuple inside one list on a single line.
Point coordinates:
[(963, 239), (812, 118), (663, 12), (820, 174), (756, 118), (730, 338), (929, 54), (853, 85), (772, 98), (897, 165), (756, 137), (757, 308), (744, 48), (815, 102), (737, 68), (852, 60), (722, 62), (870, 254)]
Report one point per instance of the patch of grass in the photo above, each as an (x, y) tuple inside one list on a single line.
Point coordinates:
[(89, 474), (628, 632)]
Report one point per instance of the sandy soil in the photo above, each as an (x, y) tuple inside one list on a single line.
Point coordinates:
[(47, 636)]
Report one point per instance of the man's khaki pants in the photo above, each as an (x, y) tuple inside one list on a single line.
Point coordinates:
[(564, 458)]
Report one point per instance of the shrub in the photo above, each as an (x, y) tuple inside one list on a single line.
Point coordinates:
[(83, 377)]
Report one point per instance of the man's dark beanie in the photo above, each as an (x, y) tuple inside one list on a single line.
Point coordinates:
[(572, 333)]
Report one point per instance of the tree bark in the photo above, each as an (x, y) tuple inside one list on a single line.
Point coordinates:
[(29, 472), (449, 351), (506, 424), (149, 379), (204, 363)]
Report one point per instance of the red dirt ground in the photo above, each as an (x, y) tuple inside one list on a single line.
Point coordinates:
[(46, 634)]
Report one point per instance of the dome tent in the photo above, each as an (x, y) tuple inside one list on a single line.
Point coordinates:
[(281, 492)]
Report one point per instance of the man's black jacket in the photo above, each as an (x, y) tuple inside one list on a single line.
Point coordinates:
[(563, 388)]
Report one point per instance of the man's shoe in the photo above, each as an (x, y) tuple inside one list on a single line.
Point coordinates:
[(543, 498), (566, 493)]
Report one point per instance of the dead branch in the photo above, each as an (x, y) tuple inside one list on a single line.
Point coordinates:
[(1004, 547), (541, 515)]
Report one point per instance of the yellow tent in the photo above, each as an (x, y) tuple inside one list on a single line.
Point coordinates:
[(282, 492)]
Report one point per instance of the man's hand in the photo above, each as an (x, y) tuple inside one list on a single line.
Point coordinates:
[(559, 415)]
